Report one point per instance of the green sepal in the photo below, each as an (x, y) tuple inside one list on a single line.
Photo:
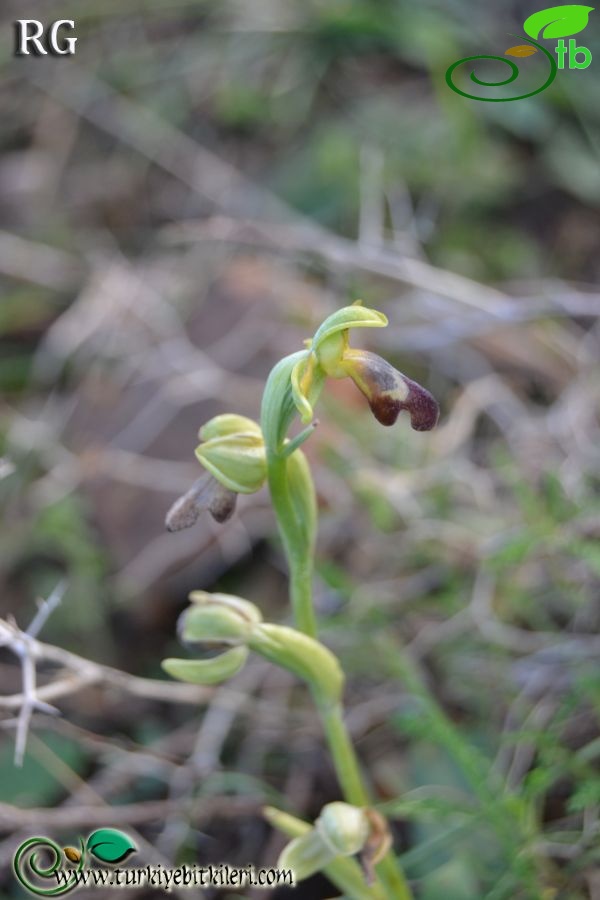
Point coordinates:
[(355, 316), (207, 671), (306, 855), (243, 608), (212, 624), (236, 460), (228, 423)]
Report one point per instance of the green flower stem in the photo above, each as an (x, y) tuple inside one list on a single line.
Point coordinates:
[(342, 752), (301, 596), (391, 875), (354, 791), (292, 493)]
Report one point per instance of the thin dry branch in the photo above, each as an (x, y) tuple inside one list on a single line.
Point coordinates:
[(12, 817)]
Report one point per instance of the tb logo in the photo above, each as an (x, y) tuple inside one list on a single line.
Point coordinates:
[(31, 38)]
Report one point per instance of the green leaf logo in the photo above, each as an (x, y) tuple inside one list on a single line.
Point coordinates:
[(557, 21), (110, 845)]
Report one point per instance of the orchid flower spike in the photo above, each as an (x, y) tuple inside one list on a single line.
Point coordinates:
[(387, 390)]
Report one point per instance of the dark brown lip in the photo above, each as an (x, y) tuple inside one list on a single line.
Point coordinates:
[(386, 390)]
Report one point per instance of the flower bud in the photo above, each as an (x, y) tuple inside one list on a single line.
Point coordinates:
[(344, 827), (214, 619), (218, 618), (237, 461), (340, 830)]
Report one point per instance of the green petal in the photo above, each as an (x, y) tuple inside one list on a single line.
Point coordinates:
[(244, 608), (354, 316), (228, 423), (301, 400), (207, 671)]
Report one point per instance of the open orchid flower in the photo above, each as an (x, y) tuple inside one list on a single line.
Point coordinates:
[(387, 390), (233, 454)]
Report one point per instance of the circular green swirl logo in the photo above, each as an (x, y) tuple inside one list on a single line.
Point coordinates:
[(30, 870), (554, 22), (514, 73)]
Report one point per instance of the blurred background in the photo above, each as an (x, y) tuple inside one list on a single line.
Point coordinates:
[(183, 201)]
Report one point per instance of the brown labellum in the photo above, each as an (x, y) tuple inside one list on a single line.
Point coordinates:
[(184, 512), (72, 854), (205, 493), (222, 504), (521, 50), (389, 391)]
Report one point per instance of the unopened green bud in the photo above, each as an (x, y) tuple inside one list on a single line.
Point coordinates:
[(218, 618), (207, 671), (228, 423), (344, 827), (215, 619), (340, 830), (237, 461), (343, 871)]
